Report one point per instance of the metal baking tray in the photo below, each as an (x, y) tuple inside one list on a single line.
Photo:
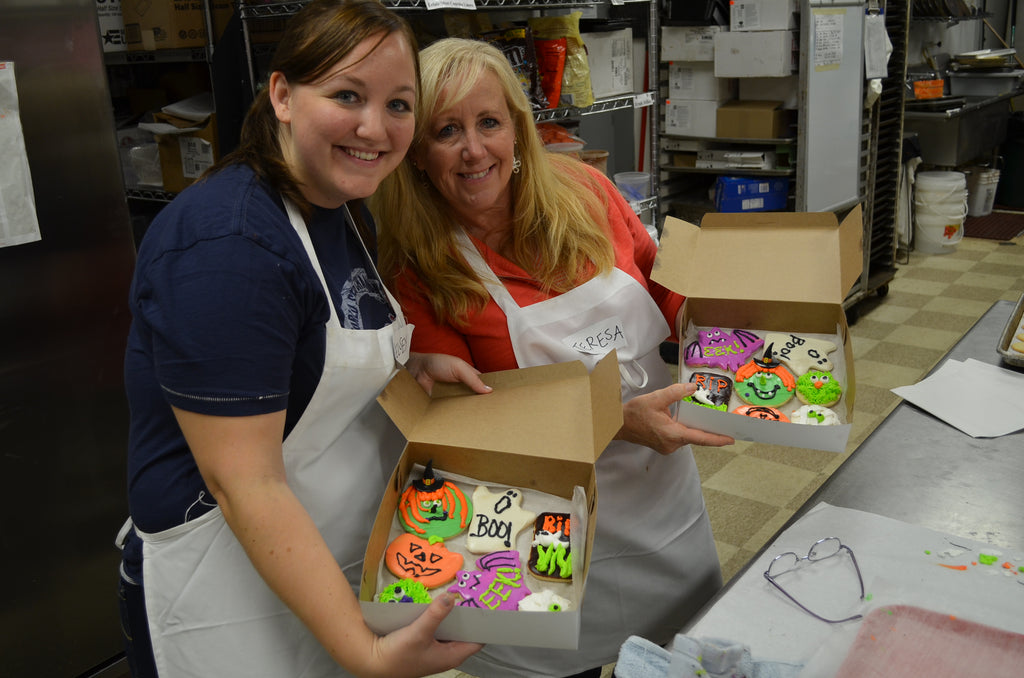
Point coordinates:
[(1014, 326)]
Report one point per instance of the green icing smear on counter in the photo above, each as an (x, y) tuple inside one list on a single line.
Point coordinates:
[(987, 560)]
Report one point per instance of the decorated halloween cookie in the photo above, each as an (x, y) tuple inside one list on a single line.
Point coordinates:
[(761, 412), (544, 601), (818, 387), (498, 519), (405, 591), (719, 348), (713, 390), (801, 353), (498, 582), (550, 553), (432, 507), (428, 562), (765, 381), (815, 415)]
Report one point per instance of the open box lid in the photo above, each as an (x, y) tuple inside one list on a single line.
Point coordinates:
[(556, 411), (781, 256)]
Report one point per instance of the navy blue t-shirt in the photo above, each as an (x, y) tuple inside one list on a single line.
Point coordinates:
[(229, 319)]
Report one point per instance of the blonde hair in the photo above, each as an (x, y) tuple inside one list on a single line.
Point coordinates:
[(560, 231)]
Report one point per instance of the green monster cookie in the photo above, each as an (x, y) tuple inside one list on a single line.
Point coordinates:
[(818, 387), (405, 591)]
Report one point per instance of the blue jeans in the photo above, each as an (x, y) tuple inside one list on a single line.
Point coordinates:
[(135, 629)]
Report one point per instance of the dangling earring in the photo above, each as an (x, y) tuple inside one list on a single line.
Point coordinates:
[(516, 164)]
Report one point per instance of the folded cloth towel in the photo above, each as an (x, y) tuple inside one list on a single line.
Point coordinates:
[(711, 657)]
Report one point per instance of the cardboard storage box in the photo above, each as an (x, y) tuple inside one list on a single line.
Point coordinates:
[(763, 15), (111, 25), (610, 60), (751, 194), (752, 120), (785, 89), (756, 54), (690, 117), (186, 132), (796, 299), (721, 158), (696, 80), (689, 43), (172, 25), (542, 428)]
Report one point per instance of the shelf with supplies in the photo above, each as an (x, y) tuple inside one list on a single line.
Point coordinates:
[(600, 123)]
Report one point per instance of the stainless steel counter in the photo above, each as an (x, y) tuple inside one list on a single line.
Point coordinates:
[(962, 134), (917, 469)]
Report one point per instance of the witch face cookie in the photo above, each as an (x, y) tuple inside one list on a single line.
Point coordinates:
[(720, 348), (433, 508), (499, 518), (818, 387), (764, 381), (801, 354)]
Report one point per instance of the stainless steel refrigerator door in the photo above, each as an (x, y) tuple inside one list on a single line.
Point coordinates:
[(63, 324)]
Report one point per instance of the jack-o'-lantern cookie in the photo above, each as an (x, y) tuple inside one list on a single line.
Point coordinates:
[(499, 517), (765, 381), (432, 507), (761, 412), (428, 562), (818, 387)]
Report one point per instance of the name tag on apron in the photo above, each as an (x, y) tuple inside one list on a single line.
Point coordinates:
[(599, 338)]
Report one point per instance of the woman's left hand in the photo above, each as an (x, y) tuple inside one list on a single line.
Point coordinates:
[(430, 368), (648, 421)]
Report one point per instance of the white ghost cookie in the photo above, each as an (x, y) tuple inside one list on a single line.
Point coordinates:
[(497, 518), (801, 353), (545, 601), (816, 415)]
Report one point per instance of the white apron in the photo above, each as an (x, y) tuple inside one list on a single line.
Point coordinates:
[(210, 612), (654, 562)]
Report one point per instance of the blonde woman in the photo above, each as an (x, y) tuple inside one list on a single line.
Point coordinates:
[(505, 255)]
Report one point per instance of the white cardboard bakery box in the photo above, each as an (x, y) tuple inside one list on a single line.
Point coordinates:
[(771, 271), (541, 428)]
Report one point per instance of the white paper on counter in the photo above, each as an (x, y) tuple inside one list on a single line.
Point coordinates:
[(982, 400), (18, 221), (900, 563)]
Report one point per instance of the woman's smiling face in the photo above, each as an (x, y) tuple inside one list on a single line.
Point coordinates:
[(468, 152), (344, 133)]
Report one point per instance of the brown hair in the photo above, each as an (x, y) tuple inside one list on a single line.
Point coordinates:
[(317, 37)]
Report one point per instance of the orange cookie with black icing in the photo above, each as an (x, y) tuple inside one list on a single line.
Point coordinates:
[(761, 412), (428, 562)]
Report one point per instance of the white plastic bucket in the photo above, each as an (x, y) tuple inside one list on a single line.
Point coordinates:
[(981, 191), (940, 206)]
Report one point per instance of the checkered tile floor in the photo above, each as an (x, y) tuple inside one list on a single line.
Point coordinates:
[(752, 489)]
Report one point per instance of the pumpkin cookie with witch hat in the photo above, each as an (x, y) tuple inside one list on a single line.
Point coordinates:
[(765, 381), (434, 508)]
